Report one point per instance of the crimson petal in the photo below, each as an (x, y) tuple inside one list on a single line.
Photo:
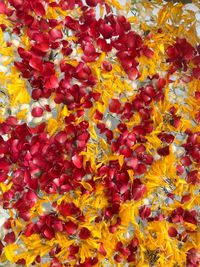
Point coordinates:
[(71, 227), (37, 112), (9, 238), (84, 233), (39, 9), (138, 191), (2, 8), (172, 232), (55, 34), (115, 106), (36, 63), (77, 160), (48, 233), (91, 3)]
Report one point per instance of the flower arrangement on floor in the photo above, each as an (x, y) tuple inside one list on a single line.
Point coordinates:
[(99, 133)]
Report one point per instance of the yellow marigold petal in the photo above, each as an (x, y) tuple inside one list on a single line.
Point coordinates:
[(10, 252)]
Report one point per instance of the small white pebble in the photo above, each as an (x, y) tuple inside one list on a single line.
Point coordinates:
[(3, 69), (179, 151), (15, 43), (5, 137), (129, 93), (146, 201), (171, 97), (37, 120), (47, 116), (56, 61), (108, 123), (29, 117), (43, 101), (2, 59), (35, 104), (52, 104), (24, 106), (127, 235), (156, 156), (134, 85), (74, 52)]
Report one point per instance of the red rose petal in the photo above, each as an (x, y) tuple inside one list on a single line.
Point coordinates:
[(190, 216), (118, 258), (131, 258), (31, 196), (126, 151), (192, 177), (135, 242), (196, 73), (115, 106), (55, 34), (133, 73), (92, 3), (180, 169), (37, 112), (36, 63), (172, 52), (49, 233), (148, 53), (57, 225), (141, 169), (138, 191), (4, 164), (78, 161), (73, 249), (186, 161), (172, 232), (102, 250), (84, 233), (106, 30), (7, 224), (71, 227), (43, 47), (39, 9), (28, 20), (2, 8), (163, 151), (9, 238), (144, 212), (61, 137), (106, 66), (133, 163), (51, 82), (103, 45), (185, 198)]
